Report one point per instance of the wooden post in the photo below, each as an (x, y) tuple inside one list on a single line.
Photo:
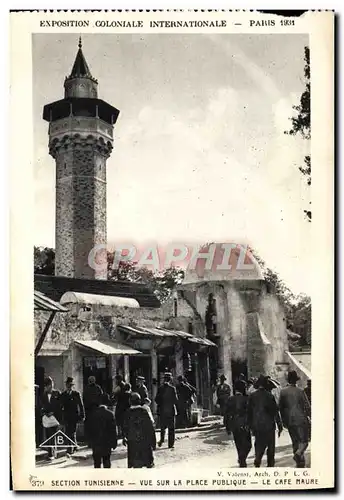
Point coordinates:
[(154, 359), (44, 333), (197, 376), (112, 370), (126, 368), (208, 384), (179, 358)]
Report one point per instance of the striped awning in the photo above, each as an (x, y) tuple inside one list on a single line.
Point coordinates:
[(150, 332), (44, 303)]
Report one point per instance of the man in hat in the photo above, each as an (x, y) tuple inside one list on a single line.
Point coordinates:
[(139, 434), (141, 389), (51, 407), (296, 411), (102, 433), (92, 396), (38, 418), (72, 410), (223, 393), (121, 400), (263, 415), (167, 400), (185, 393), (236, 421)]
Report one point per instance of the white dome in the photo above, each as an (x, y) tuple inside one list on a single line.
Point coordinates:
[(226, 262)]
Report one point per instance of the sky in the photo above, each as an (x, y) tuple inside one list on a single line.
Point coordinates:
[(200, 152)]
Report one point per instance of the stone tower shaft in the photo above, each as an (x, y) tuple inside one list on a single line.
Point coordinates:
[(80, 141)]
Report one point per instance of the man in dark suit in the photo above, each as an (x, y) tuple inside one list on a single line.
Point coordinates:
[(92, 396), (102, 434), (236, 421), (50, 406), (263, 415), (120, 398), (72, 410), (141, 389), (185, 393), (295, 412), (166, 400)]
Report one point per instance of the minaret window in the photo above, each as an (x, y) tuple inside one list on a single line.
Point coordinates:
[(211, 316)]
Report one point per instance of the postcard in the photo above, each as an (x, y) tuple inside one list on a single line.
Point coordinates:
[(172, 250)]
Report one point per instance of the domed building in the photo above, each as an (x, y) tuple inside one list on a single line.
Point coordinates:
[(236, 309)]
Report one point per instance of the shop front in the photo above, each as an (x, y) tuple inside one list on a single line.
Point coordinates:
[(169, 350)]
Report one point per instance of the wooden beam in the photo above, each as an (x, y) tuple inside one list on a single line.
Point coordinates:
[(44, 333)]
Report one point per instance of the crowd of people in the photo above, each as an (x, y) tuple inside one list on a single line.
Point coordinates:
[(256, 408), (259, 408), (132, 419)]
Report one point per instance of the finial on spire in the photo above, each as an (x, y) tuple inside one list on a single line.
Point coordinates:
[(80, 43)]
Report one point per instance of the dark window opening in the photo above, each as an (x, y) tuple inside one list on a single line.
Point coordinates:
[(211, 316), (175, 307)]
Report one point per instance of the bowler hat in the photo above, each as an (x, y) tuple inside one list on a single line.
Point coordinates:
[(262, 381), (293, 377), (139, 377), (70, 380), (48, 381)]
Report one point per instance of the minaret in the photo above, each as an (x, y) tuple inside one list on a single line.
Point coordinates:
[(80, 141)]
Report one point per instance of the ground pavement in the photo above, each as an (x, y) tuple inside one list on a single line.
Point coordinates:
[(206, 448)]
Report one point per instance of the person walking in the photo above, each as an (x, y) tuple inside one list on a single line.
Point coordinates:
[(236, 421), (295, 412), (102, 433), (121, 402), (185, 394), (263, 416), (223, 392), (141, 389), (167, 401), (92, 396), (139, 434), (50, 411), (72, 410)]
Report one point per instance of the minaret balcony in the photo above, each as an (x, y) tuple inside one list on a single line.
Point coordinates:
[(81, 125)]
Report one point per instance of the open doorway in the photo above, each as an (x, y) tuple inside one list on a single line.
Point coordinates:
[(238, 367)]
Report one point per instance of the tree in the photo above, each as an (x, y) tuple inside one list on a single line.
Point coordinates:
[(301, 122), (44, 260), (162, 283)]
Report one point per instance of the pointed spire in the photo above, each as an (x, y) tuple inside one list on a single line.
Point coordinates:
[(80, 83), (80, 66)]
